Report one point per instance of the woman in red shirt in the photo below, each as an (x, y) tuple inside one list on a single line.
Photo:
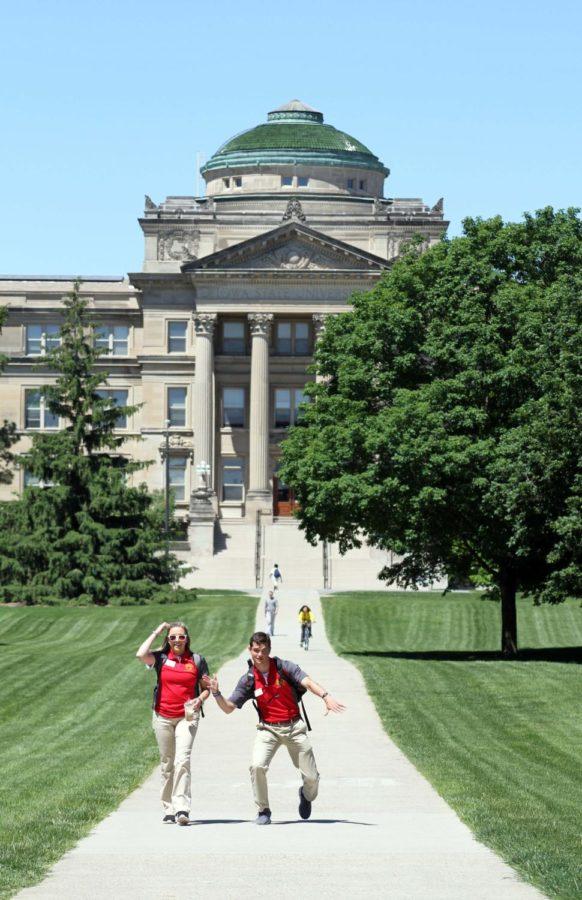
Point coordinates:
[(179, 671)]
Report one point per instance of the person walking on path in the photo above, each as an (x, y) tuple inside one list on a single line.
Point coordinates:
[(271, 607), (276, 685), (276, 577), (306, 620), (177, 706)]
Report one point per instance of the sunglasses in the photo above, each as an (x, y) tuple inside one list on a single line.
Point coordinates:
[(177, 637)]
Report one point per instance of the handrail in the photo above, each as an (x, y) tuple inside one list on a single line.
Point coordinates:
[(258, 550), (326, 579)]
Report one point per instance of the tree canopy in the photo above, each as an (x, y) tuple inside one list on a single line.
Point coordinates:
[(83, 533), (445, 422)]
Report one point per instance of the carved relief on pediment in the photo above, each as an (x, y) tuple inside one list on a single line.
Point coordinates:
[(178, 244), (297, 255)]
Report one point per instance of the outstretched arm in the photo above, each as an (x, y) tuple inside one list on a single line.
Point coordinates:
[(210, 682), (331, 704), (144, 651)]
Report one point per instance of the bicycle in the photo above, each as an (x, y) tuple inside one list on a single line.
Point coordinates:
[(305, 635)]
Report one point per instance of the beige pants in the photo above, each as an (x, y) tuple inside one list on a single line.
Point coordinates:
[(268, 740), (175, 738)]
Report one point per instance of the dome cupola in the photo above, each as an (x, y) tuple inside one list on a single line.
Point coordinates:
[(294, 150)]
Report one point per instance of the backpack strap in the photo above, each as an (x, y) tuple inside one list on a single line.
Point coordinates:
[(298, 691), (197, 660)]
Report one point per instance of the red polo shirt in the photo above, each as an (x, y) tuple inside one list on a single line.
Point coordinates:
[(178, 678), (274, 695)]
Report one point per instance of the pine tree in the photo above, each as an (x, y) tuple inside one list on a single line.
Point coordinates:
[(84, 534)]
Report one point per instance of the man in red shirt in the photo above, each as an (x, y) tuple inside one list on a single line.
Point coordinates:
[(274, 684)]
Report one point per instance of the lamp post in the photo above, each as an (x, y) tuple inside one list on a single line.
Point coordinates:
[(166, 459)]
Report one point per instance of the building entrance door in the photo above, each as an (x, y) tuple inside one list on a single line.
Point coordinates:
[(283, 498)]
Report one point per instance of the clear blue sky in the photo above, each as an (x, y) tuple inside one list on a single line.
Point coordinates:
[(102, 102)]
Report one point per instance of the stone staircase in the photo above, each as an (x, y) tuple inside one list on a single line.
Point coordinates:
[(302, 565)]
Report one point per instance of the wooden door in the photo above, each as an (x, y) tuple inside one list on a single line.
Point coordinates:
[(283, 498)]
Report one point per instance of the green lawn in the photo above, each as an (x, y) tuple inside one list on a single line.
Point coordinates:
[(500, 741), (75, 732)]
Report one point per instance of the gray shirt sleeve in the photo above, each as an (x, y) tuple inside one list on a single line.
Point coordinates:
[(293, 671), (243, 691)]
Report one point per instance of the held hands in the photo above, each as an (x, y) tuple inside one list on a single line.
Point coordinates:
[(210, 682), (163, 626)]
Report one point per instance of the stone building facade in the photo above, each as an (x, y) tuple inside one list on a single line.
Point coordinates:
[(216, 333)]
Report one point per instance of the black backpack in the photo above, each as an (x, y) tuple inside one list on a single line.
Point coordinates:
[(298, 689), (160, 660)]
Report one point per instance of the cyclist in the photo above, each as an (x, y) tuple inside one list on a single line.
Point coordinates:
[(306, 620)]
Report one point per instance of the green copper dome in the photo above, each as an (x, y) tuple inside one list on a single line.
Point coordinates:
[(294, 135)]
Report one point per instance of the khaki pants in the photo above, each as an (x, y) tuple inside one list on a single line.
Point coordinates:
[(268, 740), (175, 738)]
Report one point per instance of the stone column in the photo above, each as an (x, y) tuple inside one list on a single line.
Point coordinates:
[(203, 405), (202, 498), (259, 493)]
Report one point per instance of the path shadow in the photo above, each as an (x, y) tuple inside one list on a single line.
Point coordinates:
[(218, 821), (526, 654), (324, 822)]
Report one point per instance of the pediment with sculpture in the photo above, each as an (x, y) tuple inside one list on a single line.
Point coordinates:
[(293, 247)]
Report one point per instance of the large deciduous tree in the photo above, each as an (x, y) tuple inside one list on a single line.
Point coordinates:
[(85, 533), (445, 424)]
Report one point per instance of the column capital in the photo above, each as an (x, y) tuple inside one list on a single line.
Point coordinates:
[(260, 323), (204, 324)]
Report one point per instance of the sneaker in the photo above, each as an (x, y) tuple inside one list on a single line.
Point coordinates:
[(169, 820), (304, 805), (183, 818), (264, 817)]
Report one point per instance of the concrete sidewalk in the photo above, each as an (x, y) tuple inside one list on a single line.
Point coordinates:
[(378, 828)]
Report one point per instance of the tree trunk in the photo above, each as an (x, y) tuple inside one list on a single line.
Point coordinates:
[(508, 589)]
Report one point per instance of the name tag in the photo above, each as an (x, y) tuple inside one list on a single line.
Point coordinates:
[(170, 662), (259, 692)]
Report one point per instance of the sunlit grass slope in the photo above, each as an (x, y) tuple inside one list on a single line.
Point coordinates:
[(500, 741), (75, 721)]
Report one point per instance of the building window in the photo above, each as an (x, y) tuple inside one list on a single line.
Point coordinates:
[(302, 181), (41, 339), (177, 336), (233, 407), (286, 180), (226, 182), (237, 181), (178, 477), (31, 480), (287, 406), (233, 479), (233, 338), (362, 184), (177, 406), (112, 340), (117, 398), (351, 184), (292, 339), (37, 414)]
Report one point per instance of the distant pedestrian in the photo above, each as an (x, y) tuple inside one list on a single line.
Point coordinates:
[(178, 698), (276, 577), (276, 686), (271, 608)]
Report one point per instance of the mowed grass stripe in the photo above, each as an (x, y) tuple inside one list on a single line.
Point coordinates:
[(501, 741), (75, 720)]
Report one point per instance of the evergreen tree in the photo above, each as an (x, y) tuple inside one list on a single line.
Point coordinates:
[(84, 533), (7, 429), (446, 425)]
